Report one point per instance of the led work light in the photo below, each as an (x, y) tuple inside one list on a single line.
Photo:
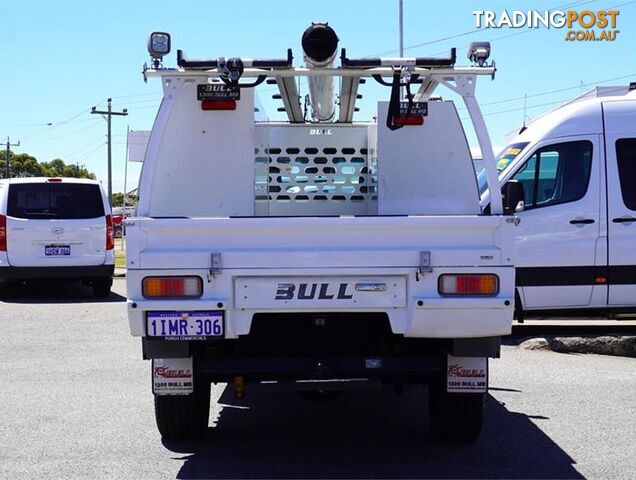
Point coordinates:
[(478, 52), (158, 45)]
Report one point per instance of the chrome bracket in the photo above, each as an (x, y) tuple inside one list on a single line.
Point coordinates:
[(425, 262), (216, 266)]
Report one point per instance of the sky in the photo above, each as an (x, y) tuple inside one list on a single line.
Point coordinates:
[(60, 58)]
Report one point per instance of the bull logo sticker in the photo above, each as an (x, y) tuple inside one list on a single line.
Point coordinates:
[(312, 291)]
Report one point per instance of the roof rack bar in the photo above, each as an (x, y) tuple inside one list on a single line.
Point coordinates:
[(189, 64), (426, 90), (348, 97), (435, 73), (290, 97), (429, 62)]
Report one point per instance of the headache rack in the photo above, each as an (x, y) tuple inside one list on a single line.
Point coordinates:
[(418, 77)]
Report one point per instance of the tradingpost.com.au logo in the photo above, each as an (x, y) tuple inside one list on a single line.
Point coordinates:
[(583, 26)]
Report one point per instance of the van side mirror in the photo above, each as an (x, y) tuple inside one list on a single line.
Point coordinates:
[(513, 197)]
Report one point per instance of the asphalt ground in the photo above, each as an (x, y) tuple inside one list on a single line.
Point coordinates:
[(76, 402)]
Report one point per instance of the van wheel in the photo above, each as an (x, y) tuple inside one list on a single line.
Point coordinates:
[(101, 287), (118, 233), (3, 289), (455, 417), (183, 416)]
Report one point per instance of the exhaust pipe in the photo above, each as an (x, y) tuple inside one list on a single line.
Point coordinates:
[(320, 44)]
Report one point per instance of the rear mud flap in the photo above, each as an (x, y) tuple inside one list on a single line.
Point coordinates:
[(466, 374), (172, 376)]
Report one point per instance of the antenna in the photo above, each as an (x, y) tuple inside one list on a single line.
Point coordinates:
[(525, 105)]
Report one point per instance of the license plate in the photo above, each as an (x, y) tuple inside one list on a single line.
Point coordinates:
[(185, 325), (55, 250), (417, 109), (217, 91)]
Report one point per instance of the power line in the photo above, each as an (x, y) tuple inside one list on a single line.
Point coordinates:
[(139, 95), (143, 108), (152, 100), (549, 92), (90, 144), (537, 105), (26, 125), (475, 30), (88, 154), (74, 132), (528, 31)]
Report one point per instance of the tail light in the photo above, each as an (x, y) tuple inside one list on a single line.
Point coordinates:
[(3, 233), (468, 284), (171, 287), (218, 105), (414, 120), (110, 239)]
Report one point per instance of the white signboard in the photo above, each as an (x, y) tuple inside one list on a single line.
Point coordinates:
[(467, 375), (137, 143), (172, 376)]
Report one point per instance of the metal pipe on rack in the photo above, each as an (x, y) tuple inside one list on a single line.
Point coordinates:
[(320, 44)]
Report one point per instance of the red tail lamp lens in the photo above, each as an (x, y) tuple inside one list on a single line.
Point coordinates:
[(172, 287), (468, 284), (218, 105)]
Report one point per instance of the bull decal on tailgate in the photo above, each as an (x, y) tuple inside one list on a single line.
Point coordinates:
[(311, 291)]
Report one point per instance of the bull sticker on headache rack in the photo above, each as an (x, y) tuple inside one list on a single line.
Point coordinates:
[(172, 376), (467, 375)]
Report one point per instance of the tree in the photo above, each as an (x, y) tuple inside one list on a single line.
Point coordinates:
[(57, 168), (24, 165), (118, 200)]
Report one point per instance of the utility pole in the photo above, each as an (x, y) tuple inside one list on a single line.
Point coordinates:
[(400, 29), (109, 113), (400, 32), (6, 158), (126, 168)]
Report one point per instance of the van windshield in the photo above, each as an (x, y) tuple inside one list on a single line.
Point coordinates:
[(508, 154), (55, 201), (504, 159)]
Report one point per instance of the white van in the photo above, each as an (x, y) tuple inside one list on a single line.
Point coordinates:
[(56, 228), (576, 243)]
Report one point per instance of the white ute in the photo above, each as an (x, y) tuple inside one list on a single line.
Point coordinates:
[(317, 254)]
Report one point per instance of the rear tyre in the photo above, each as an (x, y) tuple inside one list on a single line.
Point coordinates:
[(183, 416), (455, 417), (101, 287)]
